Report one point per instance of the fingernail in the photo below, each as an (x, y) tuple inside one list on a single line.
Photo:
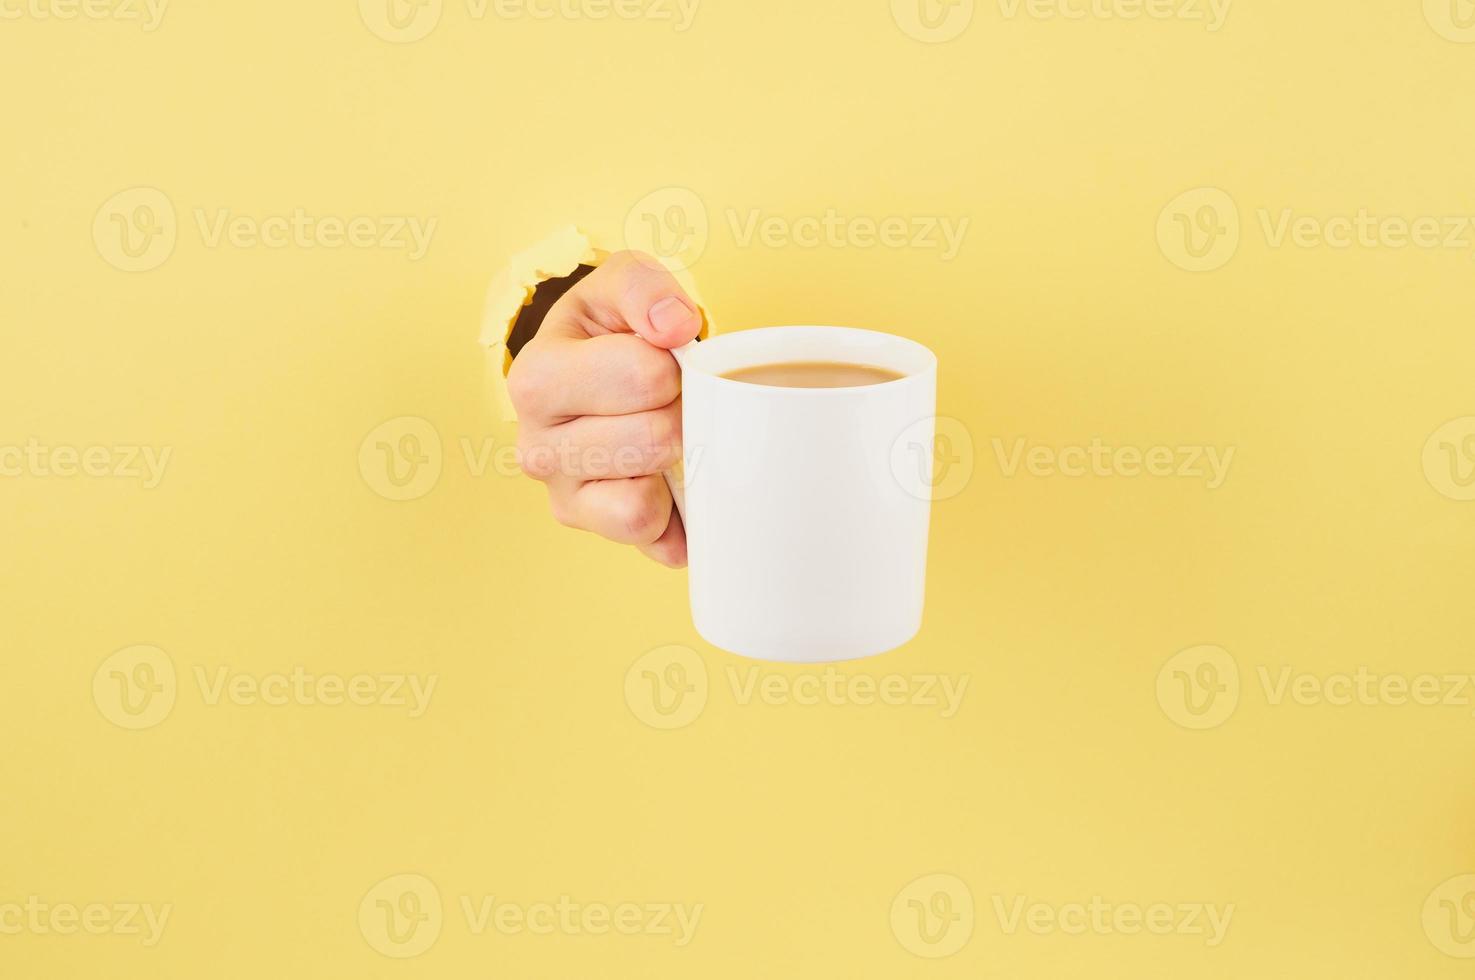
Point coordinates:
[(670, 314)]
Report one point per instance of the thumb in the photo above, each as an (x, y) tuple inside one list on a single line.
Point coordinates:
[(631, 292)]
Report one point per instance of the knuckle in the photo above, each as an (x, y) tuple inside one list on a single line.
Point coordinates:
[(630, 260), (664, 437), (563, 509), (640, 515), (662, 426), (653, 378), (638, 272), (527, 386), (536, 460)]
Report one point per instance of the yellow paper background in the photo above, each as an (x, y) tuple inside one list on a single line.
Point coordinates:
[(1334, 544)]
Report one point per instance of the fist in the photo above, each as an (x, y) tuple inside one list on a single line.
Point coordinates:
[(598, 401)]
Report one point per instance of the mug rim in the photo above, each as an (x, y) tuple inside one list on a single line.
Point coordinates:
[(695, 353)]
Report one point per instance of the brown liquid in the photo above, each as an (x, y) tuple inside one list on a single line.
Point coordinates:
[(813, 374)]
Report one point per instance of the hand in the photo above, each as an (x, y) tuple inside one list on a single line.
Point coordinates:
[(599, 408)]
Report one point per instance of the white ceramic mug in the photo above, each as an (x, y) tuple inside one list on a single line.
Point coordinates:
[(806, 525)]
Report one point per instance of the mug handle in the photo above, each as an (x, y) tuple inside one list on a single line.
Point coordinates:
[(676, 477)]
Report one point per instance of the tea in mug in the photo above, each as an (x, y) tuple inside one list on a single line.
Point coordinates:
[(813, 374)]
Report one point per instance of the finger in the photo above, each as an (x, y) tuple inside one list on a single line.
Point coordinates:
[(596, 447), (670, 548), (629, 292), (634, 511), (555, 378)]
